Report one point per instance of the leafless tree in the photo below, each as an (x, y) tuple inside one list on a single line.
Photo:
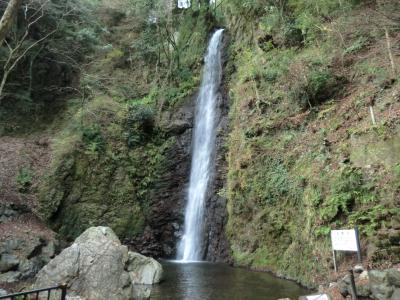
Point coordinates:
[(18, 49), (8, 17)]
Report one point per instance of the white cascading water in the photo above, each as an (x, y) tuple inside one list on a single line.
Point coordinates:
[(204, 136)]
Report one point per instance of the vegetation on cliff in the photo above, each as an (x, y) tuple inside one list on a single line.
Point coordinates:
[(304, 154), (113, 150), (103, 80)]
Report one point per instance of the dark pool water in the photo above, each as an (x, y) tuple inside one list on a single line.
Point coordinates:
[(208, 281)]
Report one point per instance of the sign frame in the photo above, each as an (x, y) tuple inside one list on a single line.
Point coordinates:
[(358, 247)]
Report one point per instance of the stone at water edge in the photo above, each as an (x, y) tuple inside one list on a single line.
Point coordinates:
[(96, 267), (143, 270), (3, 292)]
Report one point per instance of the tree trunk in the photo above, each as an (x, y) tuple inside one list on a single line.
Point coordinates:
[(8, 18)]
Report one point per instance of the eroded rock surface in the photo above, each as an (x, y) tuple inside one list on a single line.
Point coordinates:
[(97, 266)]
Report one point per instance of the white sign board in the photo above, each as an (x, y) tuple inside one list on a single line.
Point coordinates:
[(318, 297), (183, 3), (344, 240)]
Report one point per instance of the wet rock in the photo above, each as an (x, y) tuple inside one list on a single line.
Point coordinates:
[(161, 234), (217, 245), (178, 127), (141, 292), (143, 270), (3, 292)]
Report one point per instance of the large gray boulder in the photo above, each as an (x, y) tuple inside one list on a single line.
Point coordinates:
[(97, 267)]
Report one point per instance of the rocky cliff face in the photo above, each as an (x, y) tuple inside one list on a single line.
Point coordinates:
[(165, 219), (167, 204), (166, 213), (217, 246)]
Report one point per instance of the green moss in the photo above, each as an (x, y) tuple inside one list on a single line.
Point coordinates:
[(100, 179), (301, 162)]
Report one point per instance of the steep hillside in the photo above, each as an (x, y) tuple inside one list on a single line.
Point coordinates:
[(306, 155)]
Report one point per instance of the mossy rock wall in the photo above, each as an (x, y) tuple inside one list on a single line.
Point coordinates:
[(304, 155)]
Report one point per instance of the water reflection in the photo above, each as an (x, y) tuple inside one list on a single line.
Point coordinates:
[(207, 281)]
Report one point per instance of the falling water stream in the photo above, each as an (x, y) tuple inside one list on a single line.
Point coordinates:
[(191, 278), (204, 136)]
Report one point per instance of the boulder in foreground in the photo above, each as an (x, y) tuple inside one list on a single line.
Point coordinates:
[(97, 267)]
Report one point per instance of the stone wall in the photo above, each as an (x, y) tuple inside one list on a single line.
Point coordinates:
[(372, 284)]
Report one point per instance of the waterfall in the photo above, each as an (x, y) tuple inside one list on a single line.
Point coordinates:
[(191, 246)]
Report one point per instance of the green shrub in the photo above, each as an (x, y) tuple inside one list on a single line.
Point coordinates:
[(271, 183), (357, 45), (318, 86), (143, 117), (24, 179), (348, 189), (140, 124), (93, 139)]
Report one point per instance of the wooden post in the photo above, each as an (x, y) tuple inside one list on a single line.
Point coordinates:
[(63, 288), (371, 110), (358, 244)]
